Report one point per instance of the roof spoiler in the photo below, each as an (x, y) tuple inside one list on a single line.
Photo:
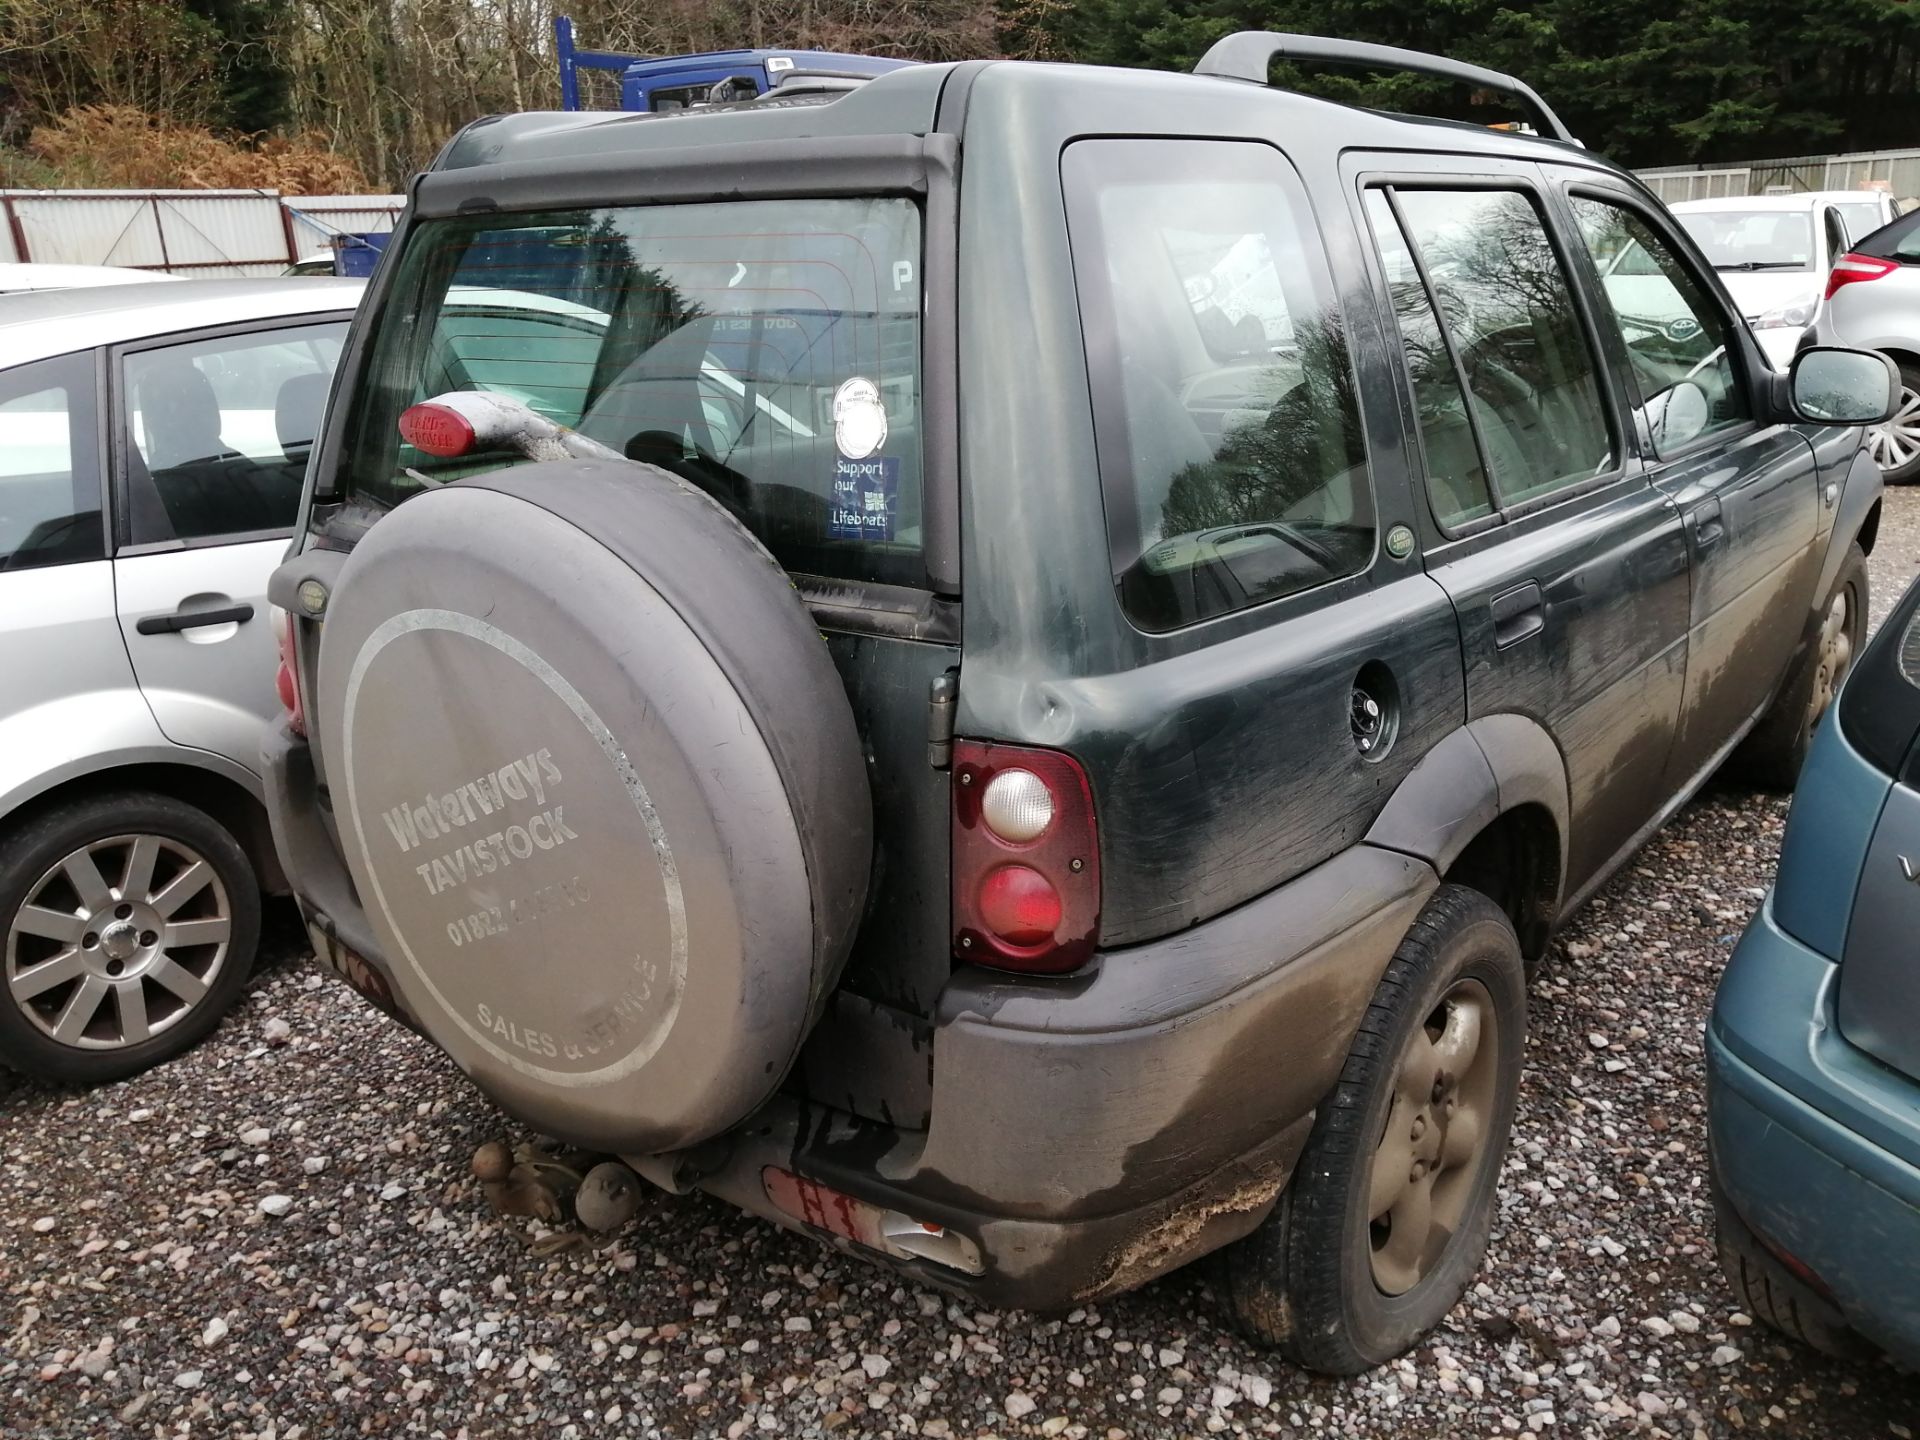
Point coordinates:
[(1250, 54)]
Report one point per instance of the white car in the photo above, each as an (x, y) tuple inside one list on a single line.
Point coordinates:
[(15, 278), (153, 444), (1773, 253)]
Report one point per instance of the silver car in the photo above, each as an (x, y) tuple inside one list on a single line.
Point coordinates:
[(153, 442), (1873, 300)]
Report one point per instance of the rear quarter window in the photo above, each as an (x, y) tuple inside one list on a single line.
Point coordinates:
[(1224, 412)]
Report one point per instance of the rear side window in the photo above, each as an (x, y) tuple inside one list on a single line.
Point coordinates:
[(49, 464), (766, 351), (220, 430), (1224, 414), (1456, 476)]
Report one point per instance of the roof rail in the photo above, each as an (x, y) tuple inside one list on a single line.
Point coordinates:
[(1249, 54)]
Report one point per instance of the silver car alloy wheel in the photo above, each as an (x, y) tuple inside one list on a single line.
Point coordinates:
[(1897, 443), (103, 964)]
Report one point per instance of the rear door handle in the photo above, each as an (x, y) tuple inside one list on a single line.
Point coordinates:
[(1518, 614), (193, 619), (1709, 527)]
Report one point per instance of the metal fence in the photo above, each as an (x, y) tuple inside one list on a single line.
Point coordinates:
[(184, 232), (1895, 170)]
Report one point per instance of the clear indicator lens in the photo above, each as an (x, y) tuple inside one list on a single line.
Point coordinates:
[(1017, 806)]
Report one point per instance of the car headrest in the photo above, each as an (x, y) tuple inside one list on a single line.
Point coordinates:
[(297, 412), (179, 413)]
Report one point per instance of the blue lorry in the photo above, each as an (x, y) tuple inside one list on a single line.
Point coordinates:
[(683, 82)]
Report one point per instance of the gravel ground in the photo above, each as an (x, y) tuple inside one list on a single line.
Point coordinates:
[(277, 1236)]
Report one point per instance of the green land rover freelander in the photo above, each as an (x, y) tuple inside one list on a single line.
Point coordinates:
[(1008, 666)]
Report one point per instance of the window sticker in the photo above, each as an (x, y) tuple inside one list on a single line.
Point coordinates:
[(866, 498)]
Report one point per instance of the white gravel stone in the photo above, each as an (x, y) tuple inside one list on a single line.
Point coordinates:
[(276, 1031), (215, 1332), (1656, 1326), (314, 1164), (1018, 1405), (275, 1205), (1726, 1355), (256, 1135), (189, 1379)]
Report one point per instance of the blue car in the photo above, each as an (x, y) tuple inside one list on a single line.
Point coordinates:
[(1813, 1049)]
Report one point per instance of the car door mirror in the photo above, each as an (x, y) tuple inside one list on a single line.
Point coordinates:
[(1833, 385)]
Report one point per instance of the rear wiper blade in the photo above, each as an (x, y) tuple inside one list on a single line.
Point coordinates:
[(1762, 265)]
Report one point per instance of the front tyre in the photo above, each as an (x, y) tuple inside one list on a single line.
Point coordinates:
[(128, 924), (1773, 752), (1387, 1216)]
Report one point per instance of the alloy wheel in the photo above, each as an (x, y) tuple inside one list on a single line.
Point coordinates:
[(118, 941), (1835, 653), (1436, 1134), (1896, 443)]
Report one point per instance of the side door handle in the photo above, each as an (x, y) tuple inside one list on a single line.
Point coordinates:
[(1709, 525), (1518, 614), (193, 619)]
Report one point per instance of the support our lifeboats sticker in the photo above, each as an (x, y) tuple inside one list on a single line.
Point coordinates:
[(866, 485)]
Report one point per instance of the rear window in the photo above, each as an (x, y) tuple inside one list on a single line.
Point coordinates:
[(765, 351)]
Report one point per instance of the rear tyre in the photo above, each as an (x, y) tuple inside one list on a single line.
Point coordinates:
[(1772, 754), (1895, 446), (1774, 1295), (1387, 1216), (128, 924)]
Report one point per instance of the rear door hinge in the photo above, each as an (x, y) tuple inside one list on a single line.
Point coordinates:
[(943, 698)]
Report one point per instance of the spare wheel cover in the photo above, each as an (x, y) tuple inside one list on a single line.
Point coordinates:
[(599, 787)]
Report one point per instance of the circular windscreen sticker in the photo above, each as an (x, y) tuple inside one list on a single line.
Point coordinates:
[(859, 419)]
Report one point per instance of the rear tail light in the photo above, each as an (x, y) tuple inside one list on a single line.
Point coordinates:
[(1854, 269), (287, 682), (1026, 859)]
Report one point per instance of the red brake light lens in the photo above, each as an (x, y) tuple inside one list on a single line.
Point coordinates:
[(286, 682), (1854, 269), (436, 430), (1019, 905), (1026, 859)]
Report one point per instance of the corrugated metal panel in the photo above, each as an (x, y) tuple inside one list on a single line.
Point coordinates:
[(206, 234), (91, 229), (189, 232)]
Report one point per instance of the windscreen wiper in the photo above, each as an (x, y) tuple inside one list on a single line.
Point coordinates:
[(1762, 265)]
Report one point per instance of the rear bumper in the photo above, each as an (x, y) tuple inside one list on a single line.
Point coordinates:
[(1814, 1144), (1087, 1133)]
